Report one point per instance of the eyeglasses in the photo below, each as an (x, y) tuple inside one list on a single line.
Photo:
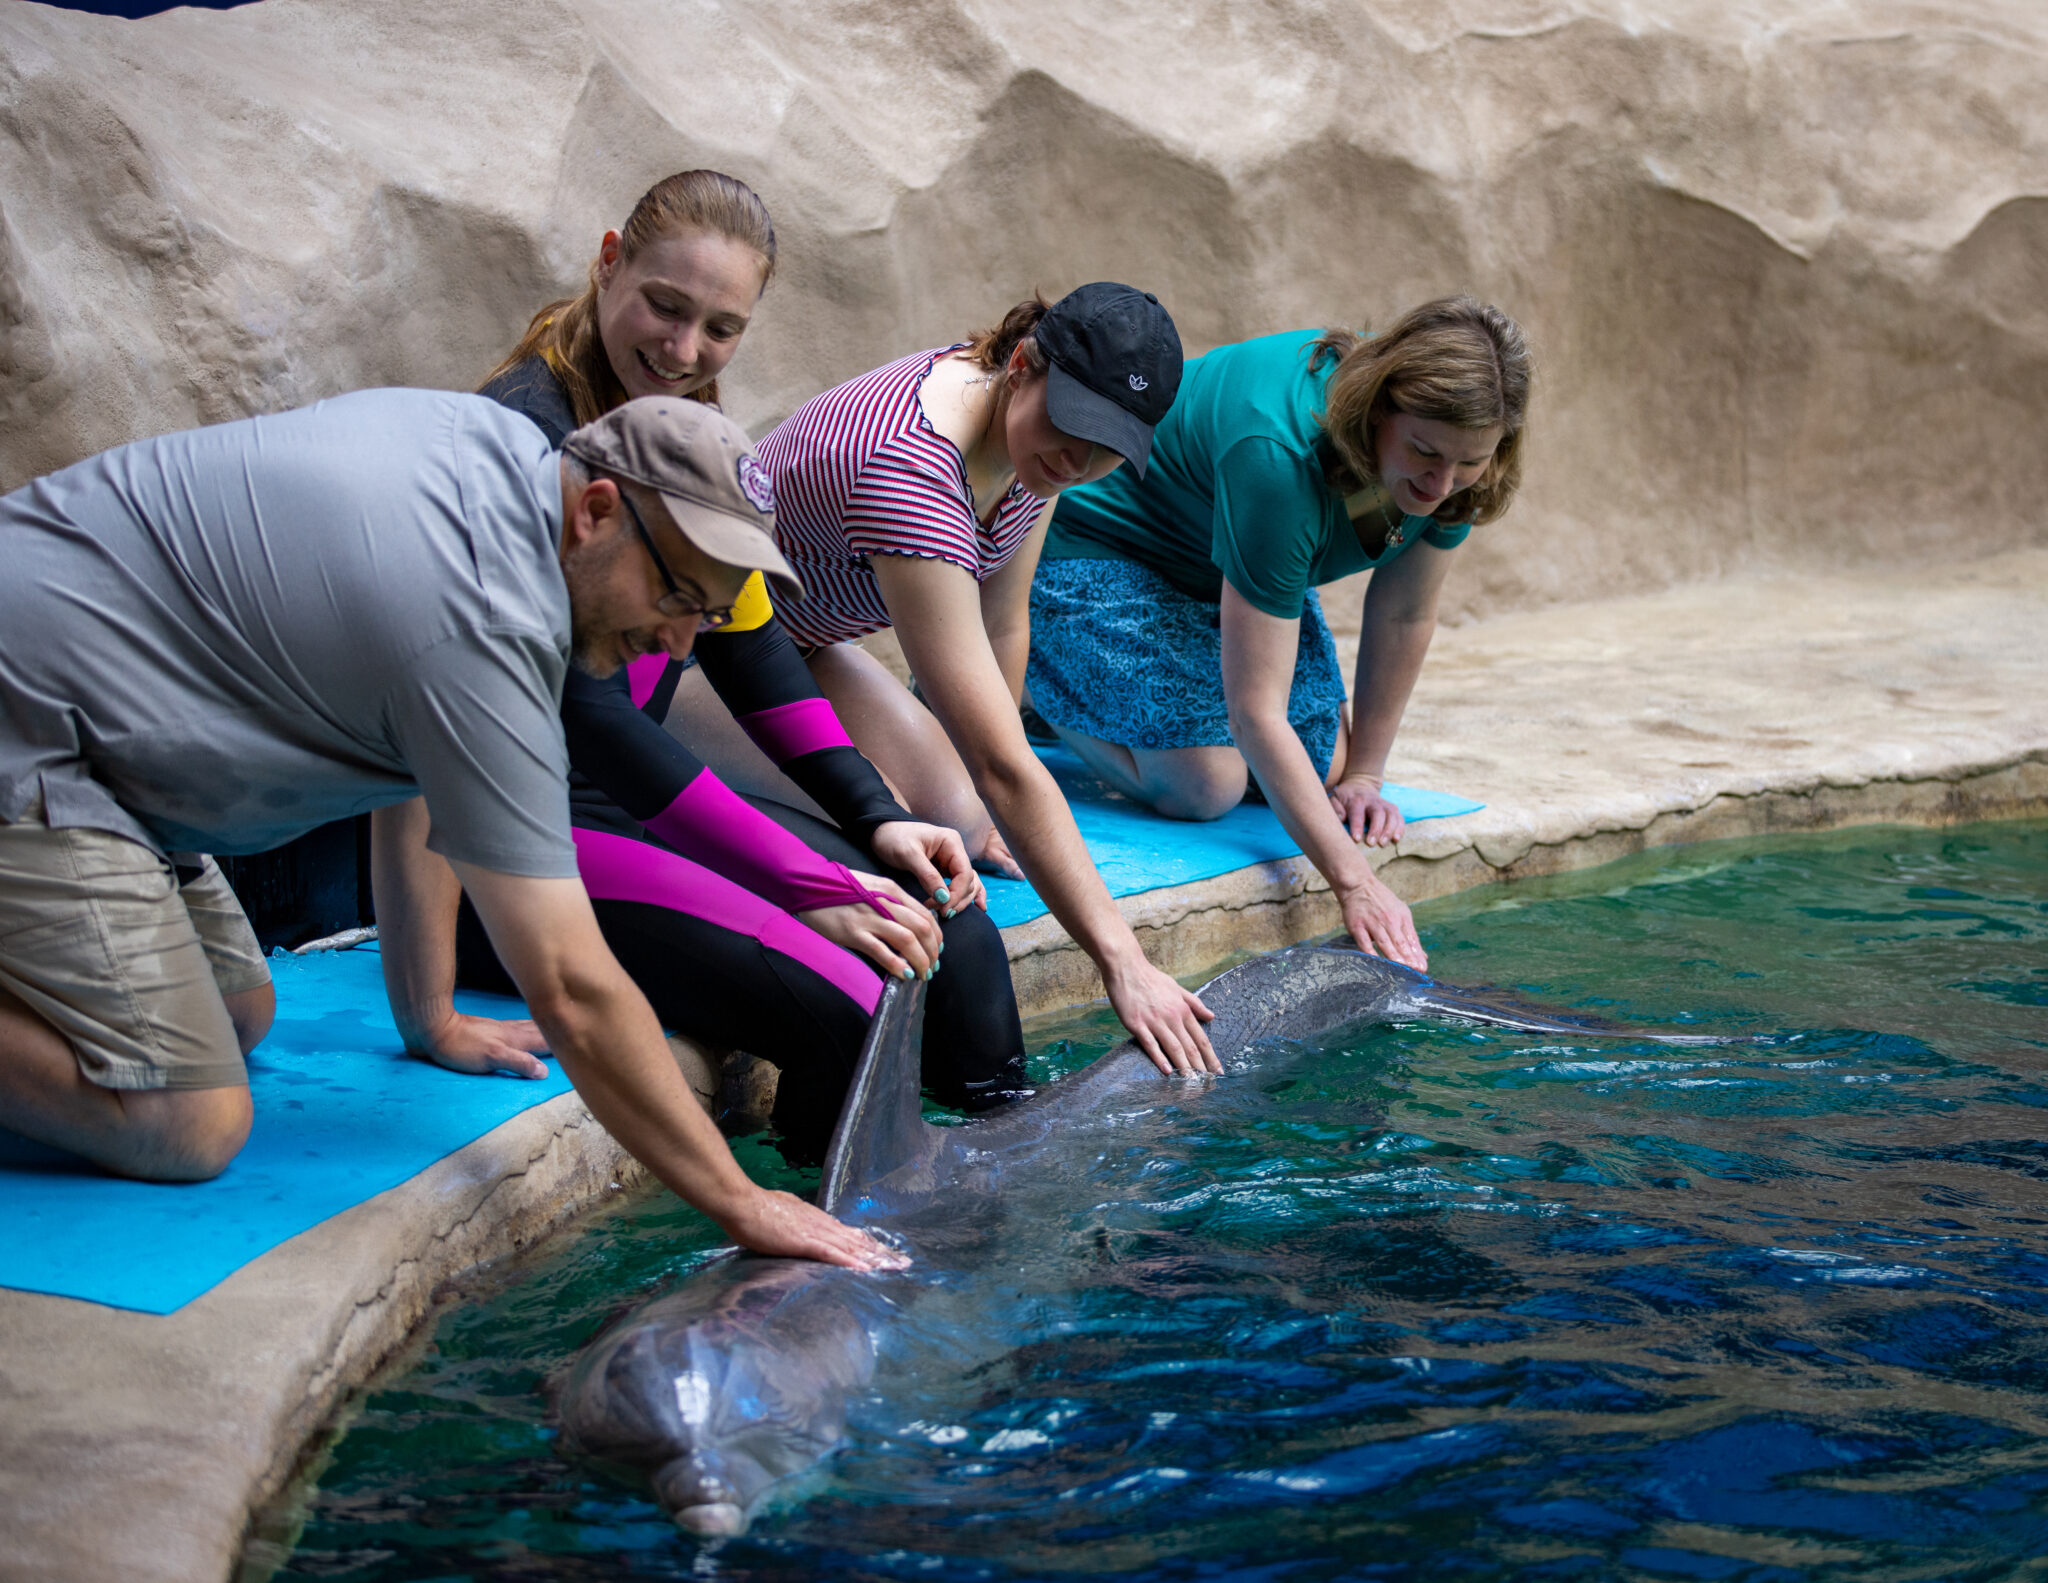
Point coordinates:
[(675, 602)]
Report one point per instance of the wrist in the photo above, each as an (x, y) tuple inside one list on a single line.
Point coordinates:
[(732, 1205), (1357, 881), (423, 1028), (1121, 960)]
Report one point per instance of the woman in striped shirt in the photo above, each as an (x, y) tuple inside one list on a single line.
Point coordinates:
[(916, 497)]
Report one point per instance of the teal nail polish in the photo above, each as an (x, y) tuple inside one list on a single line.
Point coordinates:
[(942, 895), (947, 913), (910, 972)]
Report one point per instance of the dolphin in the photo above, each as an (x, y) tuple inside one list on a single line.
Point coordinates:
[(741, 1377)]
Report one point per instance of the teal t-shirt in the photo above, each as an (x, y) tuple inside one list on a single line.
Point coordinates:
[(1235, 488)]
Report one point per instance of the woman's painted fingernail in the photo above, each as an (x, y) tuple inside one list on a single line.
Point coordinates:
[(910, 972), (942, 895), (947, 913)]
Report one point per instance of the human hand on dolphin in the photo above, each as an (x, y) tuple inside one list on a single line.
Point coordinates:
[(1381, 923), (1164, 1019), (782, 1226), (936, 858)]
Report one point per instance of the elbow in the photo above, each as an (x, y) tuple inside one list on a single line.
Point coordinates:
[(1251, 726), (561, 1001)]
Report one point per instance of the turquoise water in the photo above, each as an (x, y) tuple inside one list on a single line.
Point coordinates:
[(1439, 1304)]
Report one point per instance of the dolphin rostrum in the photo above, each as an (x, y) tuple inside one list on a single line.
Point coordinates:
[(740, 1378)]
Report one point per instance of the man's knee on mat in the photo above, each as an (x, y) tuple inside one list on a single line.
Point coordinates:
[(252, 1011), (180, 1134), (157, 1134)]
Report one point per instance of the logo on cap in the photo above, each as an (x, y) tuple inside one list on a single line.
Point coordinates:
[(1139, 381), (756, 485)]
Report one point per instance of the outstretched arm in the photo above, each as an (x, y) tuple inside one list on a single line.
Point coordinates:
[(1258, 672), (1393, 639), (605, 1035), (938, 616)]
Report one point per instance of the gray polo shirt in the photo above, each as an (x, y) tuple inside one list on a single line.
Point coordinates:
[(216, 640)]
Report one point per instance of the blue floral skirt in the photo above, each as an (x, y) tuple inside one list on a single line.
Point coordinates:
[(1119, 653)]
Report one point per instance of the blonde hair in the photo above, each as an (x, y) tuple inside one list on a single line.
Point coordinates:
[(565, 333), (1455, 360)]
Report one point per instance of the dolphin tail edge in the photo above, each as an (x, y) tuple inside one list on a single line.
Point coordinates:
[(1504, 1009), (881, 1123)]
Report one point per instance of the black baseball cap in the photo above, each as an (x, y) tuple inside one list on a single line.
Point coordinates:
[(1115, 367)]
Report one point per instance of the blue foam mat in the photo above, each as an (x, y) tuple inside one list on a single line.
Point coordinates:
[(1136, 850), (342, 1114)]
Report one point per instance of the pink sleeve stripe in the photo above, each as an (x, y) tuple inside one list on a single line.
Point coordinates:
[(644, 675), (617, 868), (712, 824), (789, 731)]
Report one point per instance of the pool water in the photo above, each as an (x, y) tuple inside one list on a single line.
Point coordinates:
[(1439, 1303)]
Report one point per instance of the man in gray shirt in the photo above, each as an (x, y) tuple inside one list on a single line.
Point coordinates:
[(216, 640)]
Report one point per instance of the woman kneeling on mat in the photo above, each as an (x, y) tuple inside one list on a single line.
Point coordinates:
[(916, 496), (1177, 639), (744, 924)]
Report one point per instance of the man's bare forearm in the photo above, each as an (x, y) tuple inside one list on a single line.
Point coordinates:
[(611, 1047), (416, 897)]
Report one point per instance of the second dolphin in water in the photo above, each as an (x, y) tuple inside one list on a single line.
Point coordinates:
[(741, 1377)]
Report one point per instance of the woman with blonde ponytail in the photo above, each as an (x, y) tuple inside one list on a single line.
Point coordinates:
[(670, 294), (772, 925)]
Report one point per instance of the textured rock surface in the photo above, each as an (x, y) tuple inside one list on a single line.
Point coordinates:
[(1785, 261)]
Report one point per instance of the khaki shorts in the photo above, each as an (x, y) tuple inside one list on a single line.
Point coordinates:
[(98, 936)]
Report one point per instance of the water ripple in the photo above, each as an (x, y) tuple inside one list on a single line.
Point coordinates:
[(1438, 1302)]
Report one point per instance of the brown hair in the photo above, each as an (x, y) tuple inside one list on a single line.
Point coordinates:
[(1455, 360), (565, 332), (991, 348)]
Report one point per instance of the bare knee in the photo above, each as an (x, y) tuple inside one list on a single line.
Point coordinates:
[(180, 1134), (252, 1011), (958, 807), (1205, 785)]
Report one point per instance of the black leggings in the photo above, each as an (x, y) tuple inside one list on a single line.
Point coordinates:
[(723, 986)]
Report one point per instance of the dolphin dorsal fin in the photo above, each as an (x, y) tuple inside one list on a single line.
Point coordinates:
[(881, 1125)]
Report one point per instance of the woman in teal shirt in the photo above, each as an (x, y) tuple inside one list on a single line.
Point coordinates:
[(1176, 637)]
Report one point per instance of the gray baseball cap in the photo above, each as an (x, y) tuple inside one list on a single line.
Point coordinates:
[(700, 462)]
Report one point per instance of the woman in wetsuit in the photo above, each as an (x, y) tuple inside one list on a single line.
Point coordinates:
[(741, 921)]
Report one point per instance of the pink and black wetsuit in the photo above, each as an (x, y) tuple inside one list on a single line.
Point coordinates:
[(696, 887)]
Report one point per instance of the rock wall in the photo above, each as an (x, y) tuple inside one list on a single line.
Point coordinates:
[(1784, 262)]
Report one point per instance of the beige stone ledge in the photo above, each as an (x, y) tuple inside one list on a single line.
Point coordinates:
[(1262, 908), (135, 1445)]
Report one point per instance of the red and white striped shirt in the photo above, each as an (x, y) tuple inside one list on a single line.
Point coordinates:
[(860, 472)]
